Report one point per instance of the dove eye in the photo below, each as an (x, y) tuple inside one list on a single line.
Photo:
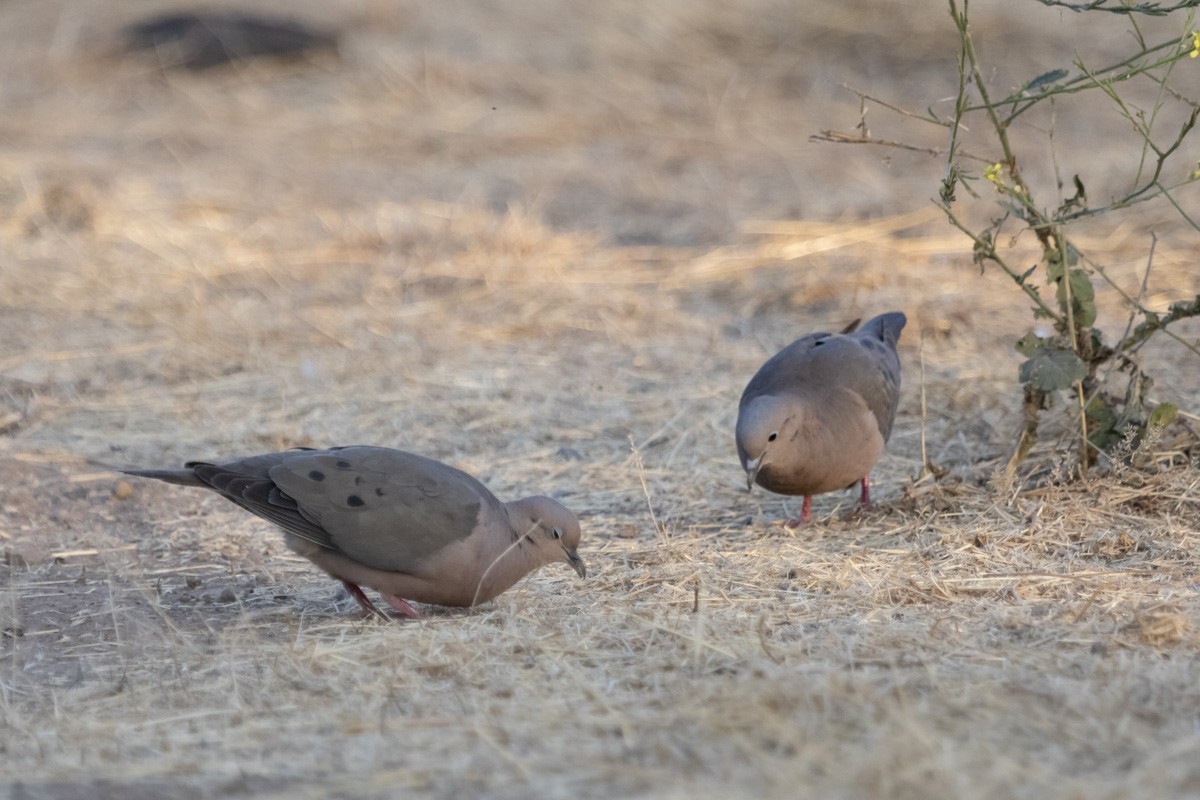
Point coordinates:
[(774, 435), (556, 533)]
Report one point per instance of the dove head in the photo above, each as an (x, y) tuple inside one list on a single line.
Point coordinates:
[(550, 528), (764, 428)]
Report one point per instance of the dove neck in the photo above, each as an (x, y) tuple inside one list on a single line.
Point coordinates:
[(506, 559)]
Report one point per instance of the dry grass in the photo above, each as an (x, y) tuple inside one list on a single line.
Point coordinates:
[(565, 295)]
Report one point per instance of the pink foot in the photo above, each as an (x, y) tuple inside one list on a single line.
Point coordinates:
[(369, 608), (805, 514), (864, 502), (403, 609)]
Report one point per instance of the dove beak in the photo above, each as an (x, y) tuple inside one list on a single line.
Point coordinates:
[(576, 562), (752, 468)]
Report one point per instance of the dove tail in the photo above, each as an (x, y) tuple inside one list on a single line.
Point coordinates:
[(179, 477), (885, 327)]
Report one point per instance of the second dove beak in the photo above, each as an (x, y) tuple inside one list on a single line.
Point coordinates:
[(752, 468), (576, 562)]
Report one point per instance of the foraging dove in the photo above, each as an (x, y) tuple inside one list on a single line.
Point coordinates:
[(404, 525), (817, 415)]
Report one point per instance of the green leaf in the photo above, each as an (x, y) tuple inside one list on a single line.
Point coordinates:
[(1045, 79), (1162, 416), (1051, 369), (1072, 254), (1102, 423), (1100, 414), (1083, 297), (1029, 344), (1185, 308), (1054, 268)]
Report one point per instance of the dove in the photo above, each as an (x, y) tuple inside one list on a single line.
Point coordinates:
[(817, 414), (404, 525)]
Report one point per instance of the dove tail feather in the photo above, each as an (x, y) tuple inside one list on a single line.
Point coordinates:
[(179, 477), (885, 327)]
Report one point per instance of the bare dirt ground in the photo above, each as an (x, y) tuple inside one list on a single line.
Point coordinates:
[(548, 243)]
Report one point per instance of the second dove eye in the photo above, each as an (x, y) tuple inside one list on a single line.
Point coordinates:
[(773, 436)]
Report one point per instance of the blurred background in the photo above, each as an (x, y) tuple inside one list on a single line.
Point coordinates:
[(169, 218)]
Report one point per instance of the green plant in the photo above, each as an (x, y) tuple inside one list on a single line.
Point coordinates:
[(1107, 386)]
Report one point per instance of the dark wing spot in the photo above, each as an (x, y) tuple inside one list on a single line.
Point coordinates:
[(340, 464), (316, 475), (379, 491), (359, 480), (354, 501)]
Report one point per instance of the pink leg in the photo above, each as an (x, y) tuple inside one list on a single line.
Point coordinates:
[(805, 514), (363, 600), (403, 609), (865, 501)]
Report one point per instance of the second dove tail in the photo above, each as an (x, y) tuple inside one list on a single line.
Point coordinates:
[(886, 327)]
